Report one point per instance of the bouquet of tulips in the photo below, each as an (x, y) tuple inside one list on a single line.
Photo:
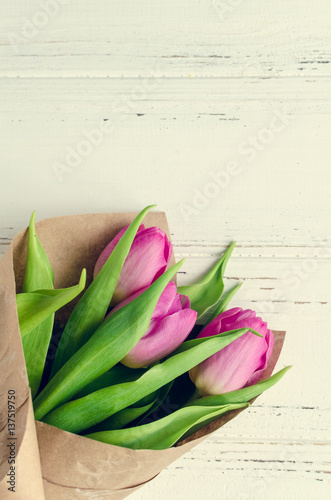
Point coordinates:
[(140, 363), (124, 344)]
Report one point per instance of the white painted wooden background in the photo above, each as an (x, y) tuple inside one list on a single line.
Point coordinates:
[(219, 111)]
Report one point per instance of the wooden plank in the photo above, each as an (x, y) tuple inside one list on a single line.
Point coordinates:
[(181, 145), (245, 469), (228, 38)]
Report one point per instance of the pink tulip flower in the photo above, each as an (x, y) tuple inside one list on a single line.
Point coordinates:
[(148, 258), (241, 362), (171, 322)]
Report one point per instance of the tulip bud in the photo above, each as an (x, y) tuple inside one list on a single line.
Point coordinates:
[(171, 322), (241, 362), (148, 258)]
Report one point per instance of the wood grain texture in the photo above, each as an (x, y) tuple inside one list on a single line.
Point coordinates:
[(206, 38), (219, 111)]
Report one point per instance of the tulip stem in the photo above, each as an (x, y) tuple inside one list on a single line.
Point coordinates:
[(195, 395)]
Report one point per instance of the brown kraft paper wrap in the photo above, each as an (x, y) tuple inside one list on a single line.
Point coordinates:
[(72, 467)]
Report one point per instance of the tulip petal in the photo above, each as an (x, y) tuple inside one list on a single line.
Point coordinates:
[(231, 368), (167, 255), (166, 301), (145, 260), (179, 302), (241, 395), (239, 364), (167, 329), (220, 322), (167, 334), (164, 305), (109, 248), (269, 338)]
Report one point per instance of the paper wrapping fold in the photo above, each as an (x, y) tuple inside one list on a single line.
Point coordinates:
[(73, 467), (28, 478)]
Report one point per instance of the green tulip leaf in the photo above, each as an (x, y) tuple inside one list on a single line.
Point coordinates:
[(207, 291), (34, 307), (127, 415), (224, 302), (244, 395), (38, 271), (83, 413), (114, 338), (38, 275), (118, 374), (92, 307), (241, 395), (165, 432), (162, 395), (35, 347), (123, 417)]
